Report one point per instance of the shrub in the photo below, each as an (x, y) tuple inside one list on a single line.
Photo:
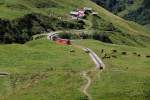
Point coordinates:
[(65, 35), (102, 37), (109, 27), (70, 25)]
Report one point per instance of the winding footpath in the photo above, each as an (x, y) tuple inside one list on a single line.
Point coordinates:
[(98, 62), (46, 34), (99, 65), (87, 85), (34, 37)]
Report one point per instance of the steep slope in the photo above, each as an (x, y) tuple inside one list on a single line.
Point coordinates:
[(43, 70), (134, 10), (120, 7), (61, 8), (142, 12)]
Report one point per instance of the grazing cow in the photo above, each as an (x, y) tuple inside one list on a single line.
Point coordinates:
[(106, 56), (102, 51), (124, 53), (148, 56), (114, 56), (101, 68), (114, 51), (138, 55), (134, 53)]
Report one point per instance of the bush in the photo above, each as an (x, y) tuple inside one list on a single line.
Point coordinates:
[(110, 27), (65, 35), (70, 25), (68, 35), (102, 37), (141, 15)]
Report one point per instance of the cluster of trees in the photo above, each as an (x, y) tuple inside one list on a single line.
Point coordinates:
[(99, 23), (96, 35), (114, 6), (141, 15), (22, 29)]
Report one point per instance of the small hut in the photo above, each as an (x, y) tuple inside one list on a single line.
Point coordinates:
[(63, 41)]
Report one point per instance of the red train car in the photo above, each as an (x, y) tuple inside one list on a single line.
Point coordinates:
[(63, 41)]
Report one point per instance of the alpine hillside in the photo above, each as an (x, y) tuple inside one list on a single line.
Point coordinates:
[(74, 50)]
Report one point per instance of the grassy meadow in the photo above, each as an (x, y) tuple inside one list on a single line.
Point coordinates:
[(42, 70), (126, 76)]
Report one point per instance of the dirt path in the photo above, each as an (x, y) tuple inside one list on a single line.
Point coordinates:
[(98, 64), (45, 34), (54, 32), (95, 58), (87, 85)]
